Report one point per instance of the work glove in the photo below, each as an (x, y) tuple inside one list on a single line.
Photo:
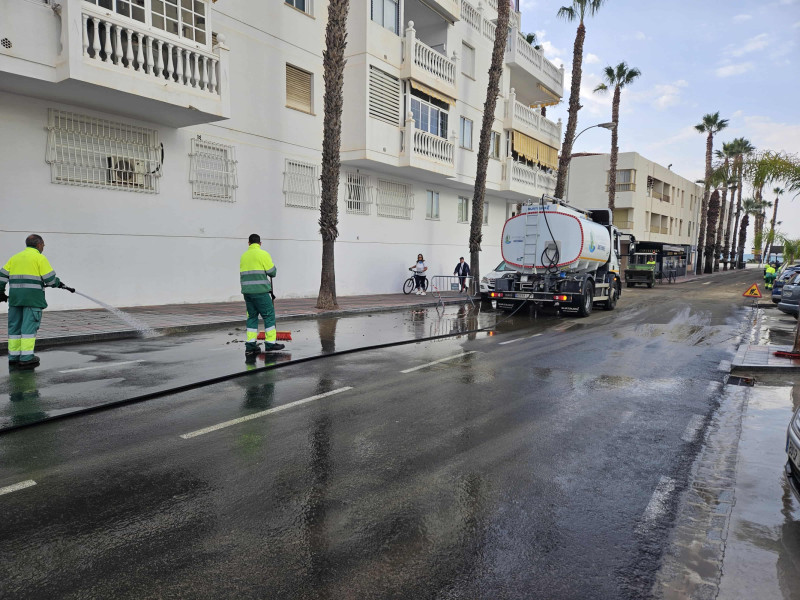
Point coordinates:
[(3, 297), (61, 286)]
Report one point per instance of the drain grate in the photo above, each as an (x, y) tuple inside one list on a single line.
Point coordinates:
[(735, 380)]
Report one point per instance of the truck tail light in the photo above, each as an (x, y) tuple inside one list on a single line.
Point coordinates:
[(560, 298), (496, 295)]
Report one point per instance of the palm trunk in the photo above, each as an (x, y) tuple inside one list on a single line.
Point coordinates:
[(574, 107), (711, 233), (758, 227), (772, 225), (495, 71), (333, 63), (727, 249), (720, 229), (704, 206), (612, 168), (736, 250), (743, 237)]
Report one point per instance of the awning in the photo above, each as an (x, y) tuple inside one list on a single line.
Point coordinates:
[(534, 150), (554, 99), (431, 92)]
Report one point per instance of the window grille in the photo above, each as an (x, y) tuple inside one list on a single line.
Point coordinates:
[(212, 171), (384, 96), (301, 184), (298, 89), (394, 200), (86, 151), (463, 210), (357, 193), (432, 208)]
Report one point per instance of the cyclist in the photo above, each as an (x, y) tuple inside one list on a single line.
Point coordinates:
[(420, 279)]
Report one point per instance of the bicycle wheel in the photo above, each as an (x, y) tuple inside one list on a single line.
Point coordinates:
[(408, 286)]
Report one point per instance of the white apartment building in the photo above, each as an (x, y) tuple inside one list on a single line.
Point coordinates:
[(146, 139), (659, 207)]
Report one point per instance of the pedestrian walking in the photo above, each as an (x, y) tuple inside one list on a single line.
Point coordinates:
[(420, 279), (462, 270), (26, 274), (255, 270)]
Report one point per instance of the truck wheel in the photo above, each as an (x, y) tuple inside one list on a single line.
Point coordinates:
[(587, 300), (650, 284), (611, 303)]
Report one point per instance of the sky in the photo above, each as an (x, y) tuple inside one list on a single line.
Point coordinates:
[(741, 58)]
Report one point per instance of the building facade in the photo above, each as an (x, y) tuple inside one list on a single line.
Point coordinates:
[(146, 139), (657, 206)]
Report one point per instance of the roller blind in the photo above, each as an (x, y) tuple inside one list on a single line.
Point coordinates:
[(298, 88), (384, 96), (535, 150)]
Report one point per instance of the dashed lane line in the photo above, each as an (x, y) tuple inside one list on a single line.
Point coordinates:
[(103, 366), (527, 337), (17, 486), (263, 413), (436, 362), (706, 283), (657, 506), (694, 425)]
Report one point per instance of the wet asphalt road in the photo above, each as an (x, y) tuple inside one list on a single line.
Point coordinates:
[(541, 462)]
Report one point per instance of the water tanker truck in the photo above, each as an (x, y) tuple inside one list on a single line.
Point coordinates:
[(560, 256)]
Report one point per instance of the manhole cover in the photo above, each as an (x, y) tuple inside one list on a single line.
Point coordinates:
[(734, 380)]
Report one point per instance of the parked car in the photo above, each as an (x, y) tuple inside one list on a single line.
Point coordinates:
[(487, 281), (784, 275), (790, 296), (792, 468)]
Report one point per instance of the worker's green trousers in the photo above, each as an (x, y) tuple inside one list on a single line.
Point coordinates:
[(260, 304), (23, 323)]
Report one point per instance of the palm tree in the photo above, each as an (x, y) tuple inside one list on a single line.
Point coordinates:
[(531, 39), (710, 125), (711, 231), (741, 148), (778, 191), (333, 62), (492, 91), (749, 207), (618, 78), (578, 11), (726, 154)]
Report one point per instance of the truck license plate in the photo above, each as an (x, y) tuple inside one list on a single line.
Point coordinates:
[(522, 296)]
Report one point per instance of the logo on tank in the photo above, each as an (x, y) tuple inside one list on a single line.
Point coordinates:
[(592, 246)]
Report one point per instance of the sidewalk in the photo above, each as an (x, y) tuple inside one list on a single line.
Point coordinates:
[(75, 326)]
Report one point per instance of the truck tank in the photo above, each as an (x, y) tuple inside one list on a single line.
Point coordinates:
[(528, 242)]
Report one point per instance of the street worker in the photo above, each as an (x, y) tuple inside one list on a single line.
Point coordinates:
[(255, 272), (420, 279), (462, 270), (769, 276), (26, 274)]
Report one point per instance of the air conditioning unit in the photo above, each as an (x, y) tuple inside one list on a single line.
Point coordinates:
[(124, 171)]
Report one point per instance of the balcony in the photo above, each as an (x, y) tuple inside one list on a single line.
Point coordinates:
[(526, 181), (449, 8), (109, 62), (532, 74), (530, 122), (424, 64), (426, 151)]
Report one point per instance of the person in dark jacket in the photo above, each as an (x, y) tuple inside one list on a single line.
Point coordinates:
[(462, 270)]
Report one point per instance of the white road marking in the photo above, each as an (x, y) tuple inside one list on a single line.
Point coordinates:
[(658, 503), (103, 366), (436, 362), (724, 365), (17, 486), (707, 283), (692, 428), (527, 337), (263, 413)]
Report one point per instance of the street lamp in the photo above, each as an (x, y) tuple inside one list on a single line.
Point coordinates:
[(609, 126)]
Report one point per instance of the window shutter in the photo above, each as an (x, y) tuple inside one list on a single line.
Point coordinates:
[(298, 89), (384, 96)]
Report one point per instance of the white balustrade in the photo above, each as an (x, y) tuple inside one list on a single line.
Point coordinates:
[(533, 57), (435, 63), (519, 173), (136, 47), (470, 15), (433, 147), (533, 119)]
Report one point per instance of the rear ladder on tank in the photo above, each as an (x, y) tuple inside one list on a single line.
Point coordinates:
[(530, 247)]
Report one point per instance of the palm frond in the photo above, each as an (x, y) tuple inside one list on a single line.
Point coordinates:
[(567, 13)]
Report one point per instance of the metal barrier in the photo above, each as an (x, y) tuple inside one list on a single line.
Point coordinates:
[(450, 286)]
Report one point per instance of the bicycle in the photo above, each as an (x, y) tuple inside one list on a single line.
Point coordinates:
[(410, 284)]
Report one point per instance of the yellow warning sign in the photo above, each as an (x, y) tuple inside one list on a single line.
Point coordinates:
[(752, 292)]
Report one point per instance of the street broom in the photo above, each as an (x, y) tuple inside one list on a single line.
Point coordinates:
[(282, 336)]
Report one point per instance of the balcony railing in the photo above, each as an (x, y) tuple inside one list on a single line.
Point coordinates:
[(516, 174), (433, 147), (518, 50), (130, 46), (624, 187), (435, 63), (518, 115), (426, 151), (624, 224), (425, 64)]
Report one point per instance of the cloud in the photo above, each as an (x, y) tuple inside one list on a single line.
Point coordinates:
[(640, 36), (662, 95), (591, 59), (754, 44), (742, 18), (735, 69)]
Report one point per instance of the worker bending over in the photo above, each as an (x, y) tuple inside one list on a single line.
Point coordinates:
[(255, 270), (26, 274)]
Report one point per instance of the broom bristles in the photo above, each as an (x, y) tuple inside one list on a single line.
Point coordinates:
[(283, 336)]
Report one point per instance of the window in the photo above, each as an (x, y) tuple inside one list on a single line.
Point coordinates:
[(298, 89), (384, 96), (86, 151), (463, 210), (186, 18), (301, 184), (626, 180), (432, 208), (394, 200), (429, 117), (468, 60), (133, 9), (357, 193), (494, 146), (212, 171), (303, 5), (386, 13), (485, 212), (466, 133)]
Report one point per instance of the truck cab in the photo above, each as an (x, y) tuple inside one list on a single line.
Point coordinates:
[(642, 268)]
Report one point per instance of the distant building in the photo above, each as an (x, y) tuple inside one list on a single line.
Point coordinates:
[(659, 207)]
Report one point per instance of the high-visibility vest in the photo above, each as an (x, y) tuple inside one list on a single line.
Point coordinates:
[(27, 274), (255, 269)]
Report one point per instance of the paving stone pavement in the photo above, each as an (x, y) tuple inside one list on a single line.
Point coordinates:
[(752, 357)]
